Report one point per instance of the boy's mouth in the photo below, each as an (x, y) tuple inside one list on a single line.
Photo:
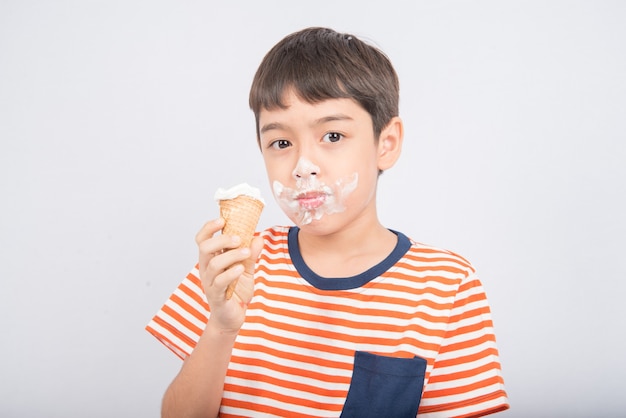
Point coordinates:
[(311, 200)]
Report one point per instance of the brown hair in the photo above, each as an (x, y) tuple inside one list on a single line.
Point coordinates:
[(320, 64)]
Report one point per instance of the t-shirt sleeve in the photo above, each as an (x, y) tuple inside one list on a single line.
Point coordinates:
[(182, 319), (466, 378)]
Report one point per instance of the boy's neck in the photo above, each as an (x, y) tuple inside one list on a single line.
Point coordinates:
[(348, 252)]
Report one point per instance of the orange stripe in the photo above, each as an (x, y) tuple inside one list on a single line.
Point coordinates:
[(469, 285), (188, 308), (492, 351), (480, 311), (198, 295), (260, 408), (270, 250), (193, 278), (485, 323), (276, 240), (182, 321), (280, 397), (468, 343)]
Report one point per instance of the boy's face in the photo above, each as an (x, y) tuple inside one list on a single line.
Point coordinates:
[(322, 162)]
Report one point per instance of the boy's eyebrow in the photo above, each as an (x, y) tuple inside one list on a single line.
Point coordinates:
[(320, 121), (331, 118), (271, 126)]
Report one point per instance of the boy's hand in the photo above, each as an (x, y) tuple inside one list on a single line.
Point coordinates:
[(220, 263)]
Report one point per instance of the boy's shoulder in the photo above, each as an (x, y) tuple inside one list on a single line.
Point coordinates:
[(433, 254)]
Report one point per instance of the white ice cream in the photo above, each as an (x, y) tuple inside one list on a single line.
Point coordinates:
[(241, 189)]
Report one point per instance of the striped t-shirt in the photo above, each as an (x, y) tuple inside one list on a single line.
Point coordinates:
[(414, 331)]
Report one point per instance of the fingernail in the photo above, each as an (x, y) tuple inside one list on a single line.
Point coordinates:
[(245, 251)]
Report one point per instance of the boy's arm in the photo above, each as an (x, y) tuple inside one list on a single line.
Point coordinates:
[(197, 389)]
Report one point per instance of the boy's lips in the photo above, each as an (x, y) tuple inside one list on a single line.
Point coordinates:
[(311, 200)]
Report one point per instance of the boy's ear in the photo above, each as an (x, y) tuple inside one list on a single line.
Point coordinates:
[(390, 143)]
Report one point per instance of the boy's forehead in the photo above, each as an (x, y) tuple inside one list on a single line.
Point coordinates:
[(292, 101)]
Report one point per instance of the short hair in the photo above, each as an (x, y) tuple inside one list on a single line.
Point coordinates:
[(320, 64)]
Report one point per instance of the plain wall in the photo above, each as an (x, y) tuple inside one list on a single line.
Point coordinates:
[(119, 120)]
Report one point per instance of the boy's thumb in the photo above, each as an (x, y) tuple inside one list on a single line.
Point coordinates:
[(255, 247)]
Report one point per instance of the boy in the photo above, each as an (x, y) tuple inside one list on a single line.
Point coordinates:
[(340, 316)]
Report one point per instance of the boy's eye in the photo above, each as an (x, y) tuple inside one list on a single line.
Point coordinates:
[(332, 137), (280, 144)]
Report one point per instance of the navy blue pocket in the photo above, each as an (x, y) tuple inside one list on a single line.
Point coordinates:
[(387, 387)]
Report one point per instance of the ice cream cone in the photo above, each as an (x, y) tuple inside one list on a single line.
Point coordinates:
[(241, 214)]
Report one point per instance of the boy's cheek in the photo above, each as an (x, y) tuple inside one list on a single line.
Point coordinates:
[(279, 172)]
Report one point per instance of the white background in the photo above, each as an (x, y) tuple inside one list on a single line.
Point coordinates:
[(119, 119)]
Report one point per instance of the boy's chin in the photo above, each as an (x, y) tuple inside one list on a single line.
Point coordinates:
[(326, 225), (306, 218)]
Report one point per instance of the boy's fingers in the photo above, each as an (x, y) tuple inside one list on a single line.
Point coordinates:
[(224, 279), (218, 262), (217, 245), (215, 254), (209, 229)]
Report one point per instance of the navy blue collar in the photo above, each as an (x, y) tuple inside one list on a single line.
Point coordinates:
[(344, 283)]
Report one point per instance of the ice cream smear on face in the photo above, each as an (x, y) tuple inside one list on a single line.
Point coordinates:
[(311, 199)]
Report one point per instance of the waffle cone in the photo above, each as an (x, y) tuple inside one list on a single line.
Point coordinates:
[(242, 216)]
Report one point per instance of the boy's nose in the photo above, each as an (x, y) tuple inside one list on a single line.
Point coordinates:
[(305, 169)]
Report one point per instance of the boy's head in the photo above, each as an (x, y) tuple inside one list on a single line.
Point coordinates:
[(319, 64)]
